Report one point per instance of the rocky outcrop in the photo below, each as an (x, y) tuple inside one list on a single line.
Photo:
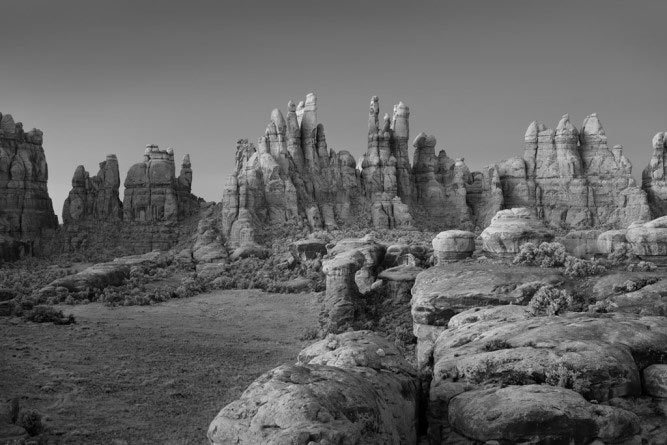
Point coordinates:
[(348, 388), (26, 211), (152, 215), (567, 177), (537, 377), (572, 178), (97, 198), (649, 239), (153, 192), (512, 228), (654, 177)]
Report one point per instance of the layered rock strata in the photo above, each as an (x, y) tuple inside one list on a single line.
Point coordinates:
[(571, 178), (512, 228), (26, 210), (151, 216), (654, 177)]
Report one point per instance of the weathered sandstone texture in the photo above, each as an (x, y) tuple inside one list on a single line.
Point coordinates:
[(156, 203), (453, 245), (650, 238), (544, 379), (511, 228), (654, 177), (572, 178), (26, 211), (348, 388), (567, 177)]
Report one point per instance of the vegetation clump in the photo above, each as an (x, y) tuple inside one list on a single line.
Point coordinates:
[(550, 300)]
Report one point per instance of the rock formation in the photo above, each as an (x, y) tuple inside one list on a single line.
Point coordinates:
[(654, 177), (94, 199), (155, 204), (567, 177), (649, 239), (511, 228), (572, 179), (348, 388), (153, 192), (26, 211)]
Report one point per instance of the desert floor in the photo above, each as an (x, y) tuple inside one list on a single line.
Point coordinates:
[(150, 374)]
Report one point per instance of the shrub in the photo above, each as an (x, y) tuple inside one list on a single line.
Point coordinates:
[(31, 421), (550, 300), (47, 314), (524, 293), (544, 255), (578, 268)]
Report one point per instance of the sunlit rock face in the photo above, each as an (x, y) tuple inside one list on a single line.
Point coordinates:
[(26, 210), (654, 177), (571, 178), (568, 177)]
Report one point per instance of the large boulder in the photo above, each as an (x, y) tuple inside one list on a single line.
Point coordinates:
[(538, 414), (598, 356), (650, 238), (655, 380), (453, 245), (512, 228), (581, 243), (349, 388)]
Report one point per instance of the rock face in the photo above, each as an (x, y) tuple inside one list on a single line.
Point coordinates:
[(536, 376), (654, 177), (649, 239), (453, 245), (153, 192), (511, 228), (26, 211), (567, 177), (156, 202), (571, 178), (97, 198), (349, 388)]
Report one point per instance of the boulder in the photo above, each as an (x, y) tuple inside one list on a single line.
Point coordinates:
[(538, 414), (511, 228), (349, 388), (453, 245), (611, 240), (650, 238), (655, 380), (654, 177)]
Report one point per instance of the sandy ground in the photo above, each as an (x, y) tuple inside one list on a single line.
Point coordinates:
[(149, 374)]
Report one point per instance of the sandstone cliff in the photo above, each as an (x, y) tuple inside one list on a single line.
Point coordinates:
[(572, 179), (26, 211), (156, 202), (654, 177)]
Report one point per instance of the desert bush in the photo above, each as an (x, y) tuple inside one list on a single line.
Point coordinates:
[(31, 421), (47, 314), (550, 300), (544, 255), (578, 268), (526, 291), (566, 377), (642, 266)]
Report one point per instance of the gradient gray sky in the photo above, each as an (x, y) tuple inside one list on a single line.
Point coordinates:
[(111, 76)]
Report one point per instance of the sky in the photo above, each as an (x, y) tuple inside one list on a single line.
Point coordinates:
[(110, 76)]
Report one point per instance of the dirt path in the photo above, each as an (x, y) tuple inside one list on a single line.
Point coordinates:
[(151, 374)]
